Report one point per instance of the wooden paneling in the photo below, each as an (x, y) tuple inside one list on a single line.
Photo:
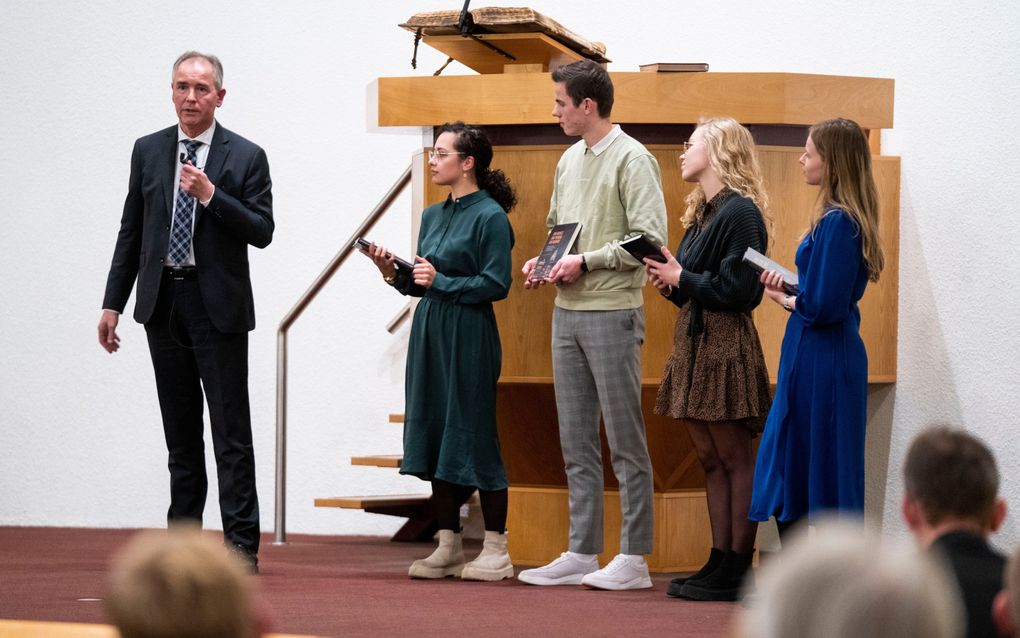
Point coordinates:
[(652, 98), (538, 525)]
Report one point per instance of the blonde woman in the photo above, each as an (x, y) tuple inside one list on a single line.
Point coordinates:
[(811, 457), (715, 380)]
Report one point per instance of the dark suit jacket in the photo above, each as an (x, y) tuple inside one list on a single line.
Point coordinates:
[(239, 213), (978, 569)]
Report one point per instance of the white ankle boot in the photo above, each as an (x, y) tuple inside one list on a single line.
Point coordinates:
[(447, 560), (494, 561)]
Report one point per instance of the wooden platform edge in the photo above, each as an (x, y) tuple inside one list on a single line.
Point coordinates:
[(46, 629)]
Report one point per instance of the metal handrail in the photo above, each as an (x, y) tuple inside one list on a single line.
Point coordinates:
[(281, 346)]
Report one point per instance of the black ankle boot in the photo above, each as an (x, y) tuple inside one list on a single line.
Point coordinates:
[(714, 560), (722, 584)]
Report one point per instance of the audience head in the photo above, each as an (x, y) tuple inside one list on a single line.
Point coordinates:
[(584, 94), (837, 158), (725, 148), (845, 583), (473, 152), (1006, 609), (179, 584), (950, 482)]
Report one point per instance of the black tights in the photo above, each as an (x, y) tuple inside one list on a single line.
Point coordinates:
[(448, 497), (784, 528)]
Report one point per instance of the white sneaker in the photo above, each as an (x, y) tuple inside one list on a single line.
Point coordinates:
[(568, 569), (623, 572)]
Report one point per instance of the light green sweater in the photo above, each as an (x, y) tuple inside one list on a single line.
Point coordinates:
[(614, 195)]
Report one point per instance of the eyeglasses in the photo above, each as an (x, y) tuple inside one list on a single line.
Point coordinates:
[(439, 155), (684, 147)]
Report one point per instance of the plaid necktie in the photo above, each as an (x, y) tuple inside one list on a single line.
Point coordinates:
[(184, 208)]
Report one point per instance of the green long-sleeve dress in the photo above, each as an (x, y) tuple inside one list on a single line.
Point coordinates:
[(454, 354)]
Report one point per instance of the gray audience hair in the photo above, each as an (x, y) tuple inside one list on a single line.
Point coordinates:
[(845, 582)]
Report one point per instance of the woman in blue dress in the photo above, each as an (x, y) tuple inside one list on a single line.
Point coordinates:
[(454, 355), (811, 457)]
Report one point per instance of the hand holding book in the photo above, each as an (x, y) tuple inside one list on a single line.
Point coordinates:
[(760, 263), (387, 263), (664, 272), (557, 245)]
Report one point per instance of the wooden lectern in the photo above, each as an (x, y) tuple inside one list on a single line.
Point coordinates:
[(660, 110)]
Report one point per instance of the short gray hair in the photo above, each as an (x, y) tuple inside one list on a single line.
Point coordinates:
[(217, 66), (847, 582)]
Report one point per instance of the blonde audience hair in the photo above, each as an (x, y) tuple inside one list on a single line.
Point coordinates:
[(845, 583), (848, 183), (179, 584), (732, 156)]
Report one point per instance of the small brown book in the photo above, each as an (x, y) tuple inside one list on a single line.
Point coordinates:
[(675, 67), (559, 242)]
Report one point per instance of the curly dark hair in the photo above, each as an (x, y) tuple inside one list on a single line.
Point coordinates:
[(473, 141)]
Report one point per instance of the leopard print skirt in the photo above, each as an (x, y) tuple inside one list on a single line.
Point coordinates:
[(717, 375)]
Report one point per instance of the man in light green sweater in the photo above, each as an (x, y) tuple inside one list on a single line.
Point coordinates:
[(609, 183)]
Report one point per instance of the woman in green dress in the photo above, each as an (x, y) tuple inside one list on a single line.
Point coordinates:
[(453, 360)]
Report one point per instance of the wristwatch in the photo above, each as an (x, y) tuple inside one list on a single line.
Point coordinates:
[(390, 279), (786, 303), (584, 264)]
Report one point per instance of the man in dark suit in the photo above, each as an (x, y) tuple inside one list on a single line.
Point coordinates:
[(952, 506), (197, 197), (1006, 609)]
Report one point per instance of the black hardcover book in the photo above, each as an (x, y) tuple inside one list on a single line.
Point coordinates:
[(559, 242), (760, 263), (640, 247), (363, 244)]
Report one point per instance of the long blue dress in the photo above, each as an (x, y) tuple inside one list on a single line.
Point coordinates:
[(454, 354), (811, 457)]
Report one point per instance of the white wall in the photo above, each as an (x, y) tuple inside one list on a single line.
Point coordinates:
[(79, 430)]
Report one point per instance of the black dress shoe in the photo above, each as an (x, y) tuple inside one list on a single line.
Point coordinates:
[(248, 557)]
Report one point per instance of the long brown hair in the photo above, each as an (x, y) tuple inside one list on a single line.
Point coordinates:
[(848, 183), (732, 156)]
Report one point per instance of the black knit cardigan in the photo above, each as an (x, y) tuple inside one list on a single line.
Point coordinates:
[(714, 276)]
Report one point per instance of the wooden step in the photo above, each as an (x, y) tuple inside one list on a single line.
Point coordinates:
[(372, 502), (420, 526), (378, 460)]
